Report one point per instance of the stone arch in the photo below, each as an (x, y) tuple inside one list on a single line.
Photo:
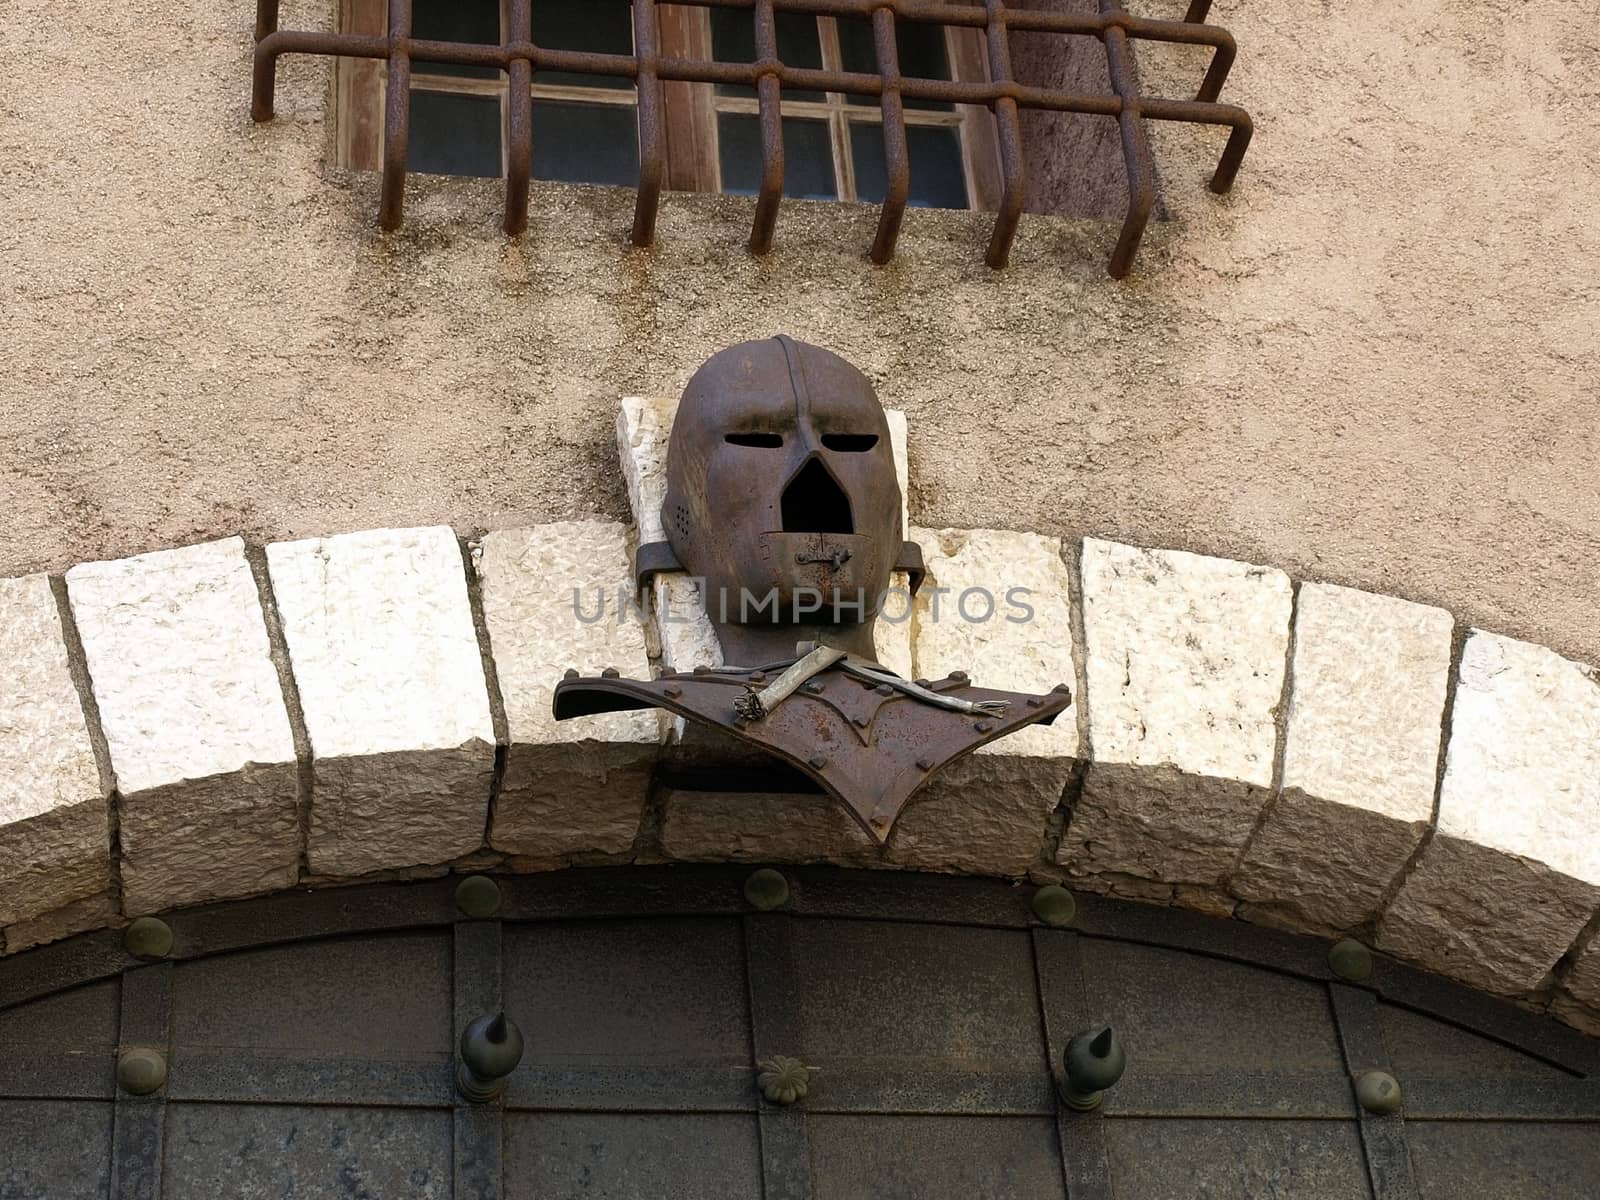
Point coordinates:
[(218, 721)]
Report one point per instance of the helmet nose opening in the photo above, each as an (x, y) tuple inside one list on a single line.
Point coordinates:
[(815, 503)]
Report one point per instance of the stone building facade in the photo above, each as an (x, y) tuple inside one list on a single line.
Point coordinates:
[(302, 514)]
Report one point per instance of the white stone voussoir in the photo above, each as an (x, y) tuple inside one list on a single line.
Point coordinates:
[(195, 722), (1185, 658), (54, 833), (1366, 709), (557, 597), (998, 605), (1512, 873), (390, 678)]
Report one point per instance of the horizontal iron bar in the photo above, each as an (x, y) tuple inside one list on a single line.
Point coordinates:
[(636, 1087), (239, 1075), (63, 1075), (744, 74), (1488, 1097)]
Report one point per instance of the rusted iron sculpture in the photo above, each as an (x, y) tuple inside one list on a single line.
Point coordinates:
[(782, 499)]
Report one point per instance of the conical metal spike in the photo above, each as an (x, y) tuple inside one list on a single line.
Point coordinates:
[(1101, 1046), (496, 1032)]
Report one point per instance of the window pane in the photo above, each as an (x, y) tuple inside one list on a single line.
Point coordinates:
[(599, 26), (937, 180), (453, 134), (920, 46), (807, 157), (456, 21), (733, 40), (585, 143)]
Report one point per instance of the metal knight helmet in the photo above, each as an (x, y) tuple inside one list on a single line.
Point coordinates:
[(782, 499)]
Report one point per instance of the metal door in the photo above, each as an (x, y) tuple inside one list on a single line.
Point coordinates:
[(309, 1044)]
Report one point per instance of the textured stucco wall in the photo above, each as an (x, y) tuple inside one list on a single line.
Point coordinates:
[(1373, 364)]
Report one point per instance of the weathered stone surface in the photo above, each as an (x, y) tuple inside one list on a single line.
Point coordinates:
[(390, 676), (1513, 872), (683, 637), (195, 722), (55, 842), (79, 916), (1185, 660), (985, 814), (1577, 1001), (555, 597), (1361, 753), (996, 604), (761, 827)]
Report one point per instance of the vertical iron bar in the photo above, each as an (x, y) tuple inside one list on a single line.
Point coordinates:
[(1383, 1139), (396, 117), (767, 97), (1217, 73), (1232, 155), (1199, 10), (476, 990), (519, 118), (1135, 146), (1058, 972), (266, 18), (264, 68), (652, 155), (1013, 172), (896, 155), (775, 1028), (139, 1122)]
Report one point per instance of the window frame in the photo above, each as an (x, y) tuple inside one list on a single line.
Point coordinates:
[(692, 158)]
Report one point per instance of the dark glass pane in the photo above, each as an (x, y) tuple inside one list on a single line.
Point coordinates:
[(937, 179), (456, 21), (807, 157), (598, 26), (454, 135), (585, 143), (921, 52), (733, 39)]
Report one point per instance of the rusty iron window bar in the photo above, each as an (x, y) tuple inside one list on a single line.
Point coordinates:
[(1002, 95)]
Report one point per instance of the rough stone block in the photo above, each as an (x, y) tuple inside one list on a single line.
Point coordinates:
[(683, 636), (79, 916), (986, 814), (1577, 1002), (390, 677), (55, 840), (195, 722), (1361, 754), (1513, 871), (556, 597), (1185, 658), (761, 827), (998, 605)]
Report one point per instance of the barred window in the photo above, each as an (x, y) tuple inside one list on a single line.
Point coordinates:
[(586, 128), (890, 102)]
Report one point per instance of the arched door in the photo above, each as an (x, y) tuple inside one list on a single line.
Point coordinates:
[(309, 1041)]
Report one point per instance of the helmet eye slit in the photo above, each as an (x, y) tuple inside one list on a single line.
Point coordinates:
[(764, 441), (850, 443)]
